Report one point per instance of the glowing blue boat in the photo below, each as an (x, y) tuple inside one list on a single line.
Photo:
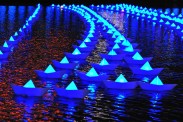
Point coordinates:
[(50, 73), (136, 60), (71, 91), (156, 85), (87, 49), (104, 67), (64, 64), (76, 56), (146, 71), (29, 89), (92, 77), (3, 55), (6, 47), (112, 57), (120, 83)]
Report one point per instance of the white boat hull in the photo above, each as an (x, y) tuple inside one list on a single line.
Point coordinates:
[(71, 93), (54, 75), (117, 85), (152, 87), (20, 90)]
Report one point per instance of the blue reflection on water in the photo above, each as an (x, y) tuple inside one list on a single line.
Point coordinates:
[(2, 19), (11, 17)]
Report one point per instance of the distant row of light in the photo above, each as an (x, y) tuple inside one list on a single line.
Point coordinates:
[(176, 22)]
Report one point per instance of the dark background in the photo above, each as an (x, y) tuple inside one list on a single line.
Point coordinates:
[(144, 3)]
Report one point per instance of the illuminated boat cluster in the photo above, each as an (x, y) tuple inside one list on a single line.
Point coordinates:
[(171, 20), (10, 44), (120, 49)]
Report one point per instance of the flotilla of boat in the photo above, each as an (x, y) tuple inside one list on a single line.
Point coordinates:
[(121, 51)]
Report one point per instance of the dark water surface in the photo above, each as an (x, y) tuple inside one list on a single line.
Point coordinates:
[(162, 44)]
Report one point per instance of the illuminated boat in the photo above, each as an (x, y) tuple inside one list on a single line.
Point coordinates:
[(137, 60), (3, 55), (119, 46), (120, 83), (76, 56), (13, 41), (113, 57), (6, 47), (146, 71), (91, 43), (50, 73), (71, 91), (104, 67), (29, 89), (64, 64), (156, 85), (92, 77), (83, 48)]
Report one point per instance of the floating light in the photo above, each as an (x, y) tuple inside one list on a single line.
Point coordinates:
[(146, 66), (112, 52), (137, 56), (156, 81), (49, 69), (104, 62), (92, 73), (76, 52), (121, 79), (29, 84), (5, 44), (72, 86), (64, 60)]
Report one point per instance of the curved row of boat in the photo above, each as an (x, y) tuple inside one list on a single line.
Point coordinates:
[(171, 20), (121, 52), (9, 45)]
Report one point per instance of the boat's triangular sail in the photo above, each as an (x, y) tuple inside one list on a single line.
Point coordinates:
[(50, 69), (92, 73), (29, 84), (156, 81), (121, 79), (72, 86)]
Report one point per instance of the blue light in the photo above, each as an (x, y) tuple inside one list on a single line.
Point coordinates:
[(121, 79), (116, 46), (64, 60), (87, 40), (112, 52), (126, 43), (16, 34), (11, 39), (90, 35), (72, 86), (49, 69), (5, 44), (29, 84), (92, 73), (83, 45), (156, 81), (104, 62), (173, 25), (76, 52), (1, 53), (137, 56), (146, 66), (129, 48)]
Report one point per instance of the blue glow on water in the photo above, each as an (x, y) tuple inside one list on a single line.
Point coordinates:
[(76, 52), (121, 79), (2, 17), (11, 17), (104, 62), (64, 60), (146, 66), (112, 52), (137, 56), (92, 73), (29, 84), (72, 86), (156, 81), (5, 44), (50, 69)]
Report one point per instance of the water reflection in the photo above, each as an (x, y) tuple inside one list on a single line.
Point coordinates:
[(11, 17), (2, 20)]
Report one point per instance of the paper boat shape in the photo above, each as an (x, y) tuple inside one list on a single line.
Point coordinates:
[(50, 73), (104, 66), (120, 83), (76, 58), (64, 66), (6, 47), (92, 77), (87, 49), (137, 60), (13, 41), (29, 91), (113, 59), (92, 43), (156, 86), (146, 71), (71, 91), (3, 55)]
